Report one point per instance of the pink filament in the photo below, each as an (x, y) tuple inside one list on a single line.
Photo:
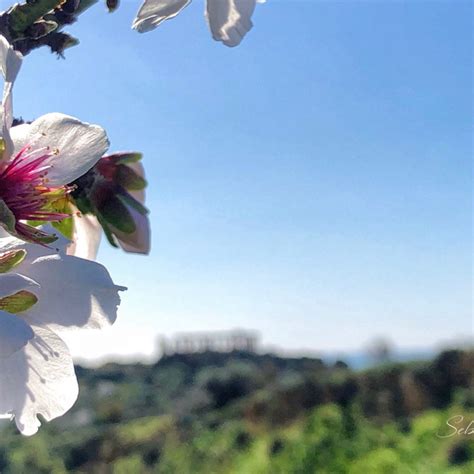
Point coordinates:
[(24, 189)]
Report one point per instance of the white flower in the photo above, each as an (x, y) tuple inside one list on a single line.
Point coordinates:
[(229, 20), (40, 158), (45, 294)]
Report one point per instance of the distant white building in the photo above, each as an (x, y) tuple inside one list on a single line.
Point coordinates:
[(215, 341)]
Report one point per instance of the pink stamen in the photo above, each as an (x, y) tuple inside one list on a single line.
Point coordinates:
[(25, 191)]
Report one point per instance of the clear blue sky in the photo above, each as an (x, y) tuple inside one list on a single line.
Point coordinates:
[(313, 183)]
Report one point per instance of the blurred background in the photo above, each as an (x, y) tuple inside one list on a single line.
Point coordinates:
[(307, 305)]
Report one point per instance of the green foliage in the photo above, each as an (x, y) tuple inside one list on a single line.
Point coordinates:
[(197, 413)]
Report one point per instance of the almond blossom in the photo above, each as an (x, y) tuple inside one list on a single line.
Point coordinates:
[(44, 294), (39, 159), (228, 20), (43, 291)]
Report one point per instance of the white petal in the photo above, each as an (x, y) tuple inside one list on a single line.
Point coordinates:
[(34, 251), (11, 283), (37, 379), (87, 235), (10, 60), (7, 242), (153, 12), (79, 145), (14, 334), (6, 119), (74, 293), (10, 63), (230, 20)]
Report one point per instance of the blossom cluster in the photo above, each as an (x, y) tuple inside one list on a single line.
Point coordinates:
[(59, 192)]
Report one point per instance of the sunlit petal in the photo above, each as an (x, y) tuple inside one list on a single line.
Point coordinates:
[(76, 146), (230, 20), (74, 293), (37, 379), (154, 12)]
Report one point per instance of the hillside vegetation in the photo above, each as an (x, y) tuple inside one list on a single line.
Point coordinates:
[(246, 413)]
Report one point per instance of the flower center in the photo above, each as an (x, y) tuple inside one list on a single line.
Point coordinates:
[(27, 196)]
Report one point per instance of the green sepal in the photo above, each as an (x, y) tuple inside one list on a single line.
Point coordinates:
[(38, 236), (129, 179), (11, 259), (7, 219), (115, 213), (83, 203), (126, 158), (65, 227), (35, 223), (18, 302), (108, 233), (129, 200)]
